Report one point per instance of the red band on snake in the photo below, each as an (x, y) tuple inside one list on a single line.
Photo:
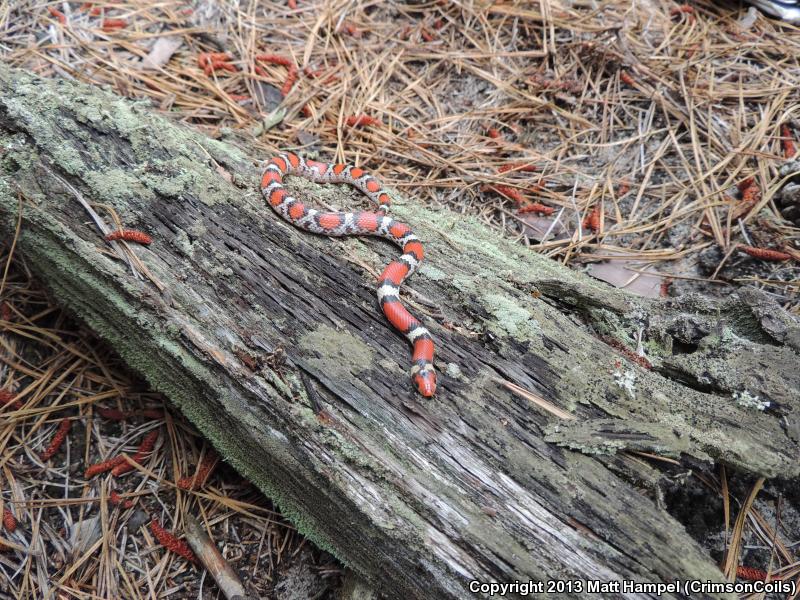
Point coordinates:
[(359, 223)]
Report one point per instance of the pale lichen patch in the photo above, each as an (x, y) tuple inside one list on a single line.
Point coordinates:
[(428, 271), (338, 353), (510, 317), (184, 244), (626, 380), (116, 184), (747, 400), (453, 371)]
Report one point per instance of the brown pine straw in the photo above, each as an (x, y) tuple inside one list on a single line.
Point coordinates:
[(751, 522), (536, 399), (735, 547)]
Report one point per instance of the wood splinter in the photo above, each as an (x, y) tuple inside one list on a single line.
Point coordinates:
[(212, 560)]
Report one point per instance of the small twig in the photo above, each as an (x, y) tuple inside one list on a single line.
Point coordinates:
[(536, 399), (208, 555)]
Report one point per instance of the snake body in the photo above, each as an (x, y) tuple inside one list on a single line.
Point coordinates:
[(359, 223)]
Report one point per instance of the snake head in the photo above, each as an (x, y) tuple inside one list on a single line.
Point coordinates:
[(426, 383)]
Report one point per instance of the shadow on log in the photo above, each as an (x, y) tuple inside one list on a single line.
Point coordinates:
[(251, 327)]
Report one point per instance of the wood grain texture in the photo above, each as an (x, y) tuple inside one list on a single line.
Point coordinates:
[(418, 496)]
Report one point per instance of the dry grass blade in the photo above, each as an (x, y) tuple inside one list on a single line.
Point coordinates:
[(536, 399), (735, 544)]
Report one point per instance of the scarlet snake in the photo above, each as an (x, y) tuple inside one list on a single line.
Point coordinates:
[(359, 223)]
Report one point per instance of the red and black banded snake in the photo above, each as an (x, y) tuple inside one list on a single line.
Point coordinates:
[(359, 223)]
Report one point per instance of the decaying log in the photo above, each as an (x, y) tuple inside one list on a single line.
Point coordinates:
[(271, 341)]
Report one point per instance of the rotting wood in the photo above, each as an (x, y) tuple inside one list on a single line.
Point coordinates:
[(419, 497)]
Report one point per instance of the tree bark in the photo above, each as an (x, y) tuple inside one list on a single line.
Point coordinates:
[(271, 341)]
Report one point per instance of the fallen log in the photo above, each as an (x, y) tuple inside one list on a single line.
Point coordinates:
[(524, 465)]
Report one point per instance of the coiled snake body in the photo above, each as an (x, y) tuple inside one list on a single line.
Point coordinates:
[(359, 223)]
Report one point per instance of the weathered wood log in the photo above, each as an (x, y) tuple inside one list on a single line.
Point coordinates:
[(256, 326)]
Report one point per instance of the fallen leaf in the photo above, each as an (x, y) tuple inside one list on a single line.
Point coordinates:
[(161, 52), (537, 227), (622, 274)]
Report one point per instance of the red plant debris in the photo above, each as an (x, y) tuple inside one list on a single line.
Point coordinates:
[(8, 397), (142, 452), (351, 29), (522, 167), (216, 65), (764, 253), (57, 14), (170, 542), (205, 57), (624, 187), (117, 500), (682, 9), (663, 290), (504, 190), (426, 35), (626, 78), (536, 207), (787, 141), (745, 183), (753, 574), (150, 413), (361, 121), (537, 188), (291, 4), (493, 133), (112, 24), (288, 84), (546, 82), (103, 466), (284, 61), (130, 235), (330, 73), (204, 470), (5, 311), (627, 352), (214, 61), (750, 191), (9, 521), (58, 439), (592, 220)]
